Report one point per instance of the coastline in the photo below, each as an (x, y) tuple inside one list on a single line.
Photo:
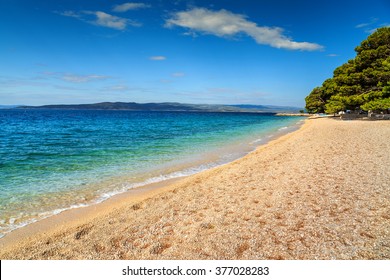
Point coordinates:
[(139, 190), (67, 167), (248, 208), (182, 167)]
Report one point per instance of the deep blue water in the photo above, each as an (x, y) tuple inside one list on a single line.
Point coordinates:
[(51, 160)]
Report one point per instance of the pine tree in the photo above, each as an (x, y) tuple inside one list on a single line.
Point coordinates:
[(361, 83)]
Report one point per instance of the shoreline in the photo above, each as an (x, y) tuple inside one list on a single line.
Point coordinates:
[(251, 208), (75, 216), (89, 188), (141, 189)]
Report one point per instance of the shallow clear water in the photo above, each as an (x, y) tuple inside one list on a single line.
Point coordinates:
[(51, 160)]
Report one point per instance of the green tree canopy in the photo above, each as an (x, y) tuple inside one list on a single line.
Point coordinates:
[(361, 83)]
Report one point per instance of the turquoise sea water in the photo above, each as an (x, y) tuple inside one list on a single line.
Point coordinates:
[(52, 160)]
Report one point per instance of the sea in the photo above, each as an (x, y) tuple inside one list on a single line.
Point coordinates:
[(55, 160)]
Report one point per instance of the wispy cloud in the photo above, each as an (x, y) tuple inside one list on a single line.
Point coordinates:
[(372, 25), (361, 25), (178, 74), (107, 20), (69, 14), (71, 77), (332, 55), (226, 24), (100, 18), (365, 24), (129, 6), (74, 78), (158, 57)]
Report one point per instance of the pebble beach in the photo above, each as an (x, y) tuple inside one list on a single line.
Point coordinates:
[(321, 192)]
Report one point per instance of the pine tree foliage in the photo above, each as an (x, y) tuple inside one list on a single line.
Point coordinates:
[(361, 83)]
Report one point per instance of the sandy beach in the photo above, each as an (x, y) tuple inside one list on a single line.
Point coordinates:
[(322, 192)]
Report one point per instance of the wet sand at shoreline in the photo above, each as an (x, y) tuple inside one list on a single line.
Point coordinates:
[(322, 192)]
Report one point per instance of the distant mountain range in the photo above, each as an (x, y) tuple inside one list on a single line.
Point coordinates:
[(169, 106), (8, 106)]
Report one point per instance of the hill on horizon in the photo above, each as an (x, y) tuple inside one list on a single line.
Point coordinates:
[(170, 106)]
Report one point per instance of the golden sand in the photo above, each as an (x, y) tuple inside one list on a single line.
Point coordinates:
[(322, 192)]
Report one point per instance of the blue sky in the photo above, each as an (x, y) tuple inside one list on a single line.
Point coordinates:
[(216, 52)]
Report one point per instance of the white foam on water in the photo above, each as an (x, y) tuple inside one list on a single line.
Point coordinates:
[(11, 225), (256, 141)]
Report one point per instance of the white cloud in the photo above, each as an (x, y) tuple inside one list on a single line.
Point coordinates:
[(107, 20), (101, 19), (70, 77), (361, 25), (365, 24), (70, 14), (225, 24), (74, 78), (371, 26), (178, 74), (372, 30), (159, 57), (333, 55), (129, 6)]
